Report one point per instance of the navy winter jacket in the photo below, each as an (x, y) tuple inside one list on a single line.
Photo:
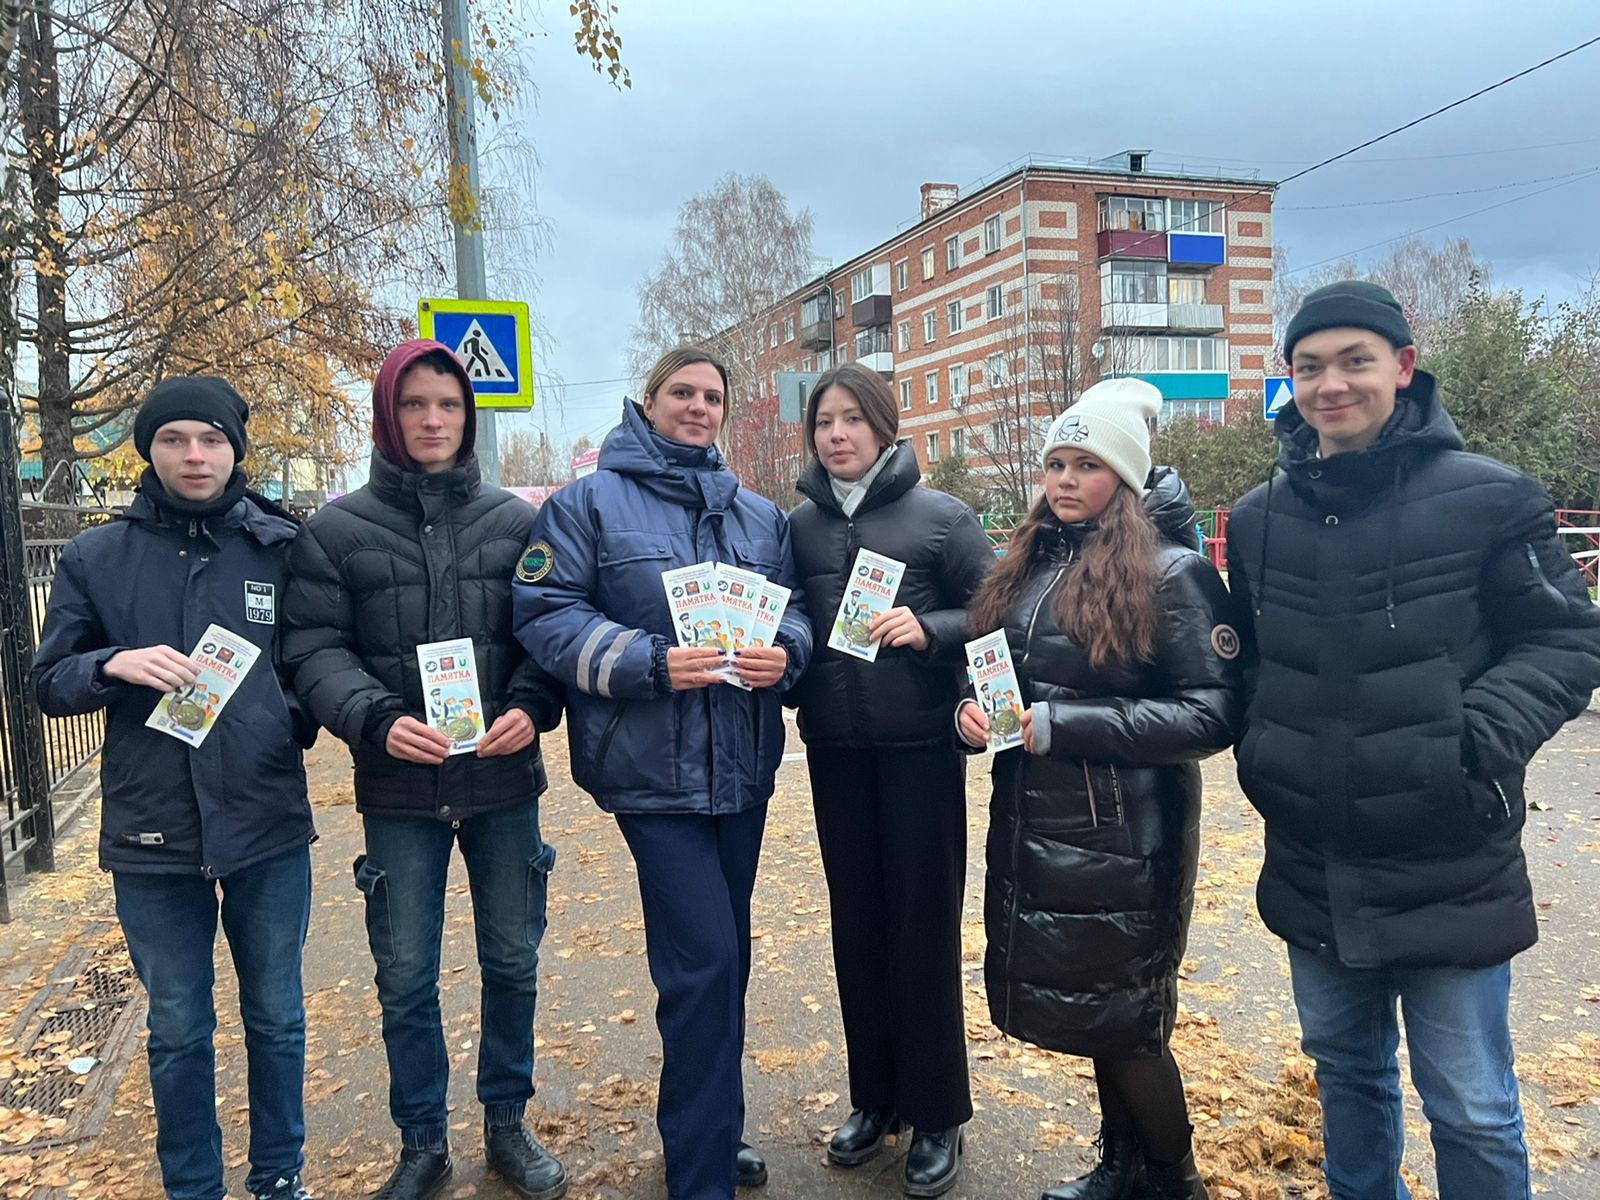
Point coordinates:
[(590, 608), (158, 578)]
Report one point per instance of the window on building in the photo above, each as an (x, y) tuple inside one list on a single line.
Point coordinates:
[(952, 252), (994, 302), (1186, 289), (817, 309), (1133, 212), (824, 360), (902, 275), (788, 329), (838, 302), (1207, 412), (930, 327), (861, 284), (952, 316), (905, 395), (841, 354), (957, 376), (927, 263), (997, 370), (933, 447), (1133, 283), (991, 235), (1170, 354), (1195, 216), (903, 336), (997, 435), (772, 335), (958, 443), (930, 383)]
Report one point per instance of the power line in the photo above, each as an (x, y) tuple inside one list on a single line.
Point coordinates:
[(1590, 174), (1498, 187), (1296, 162)]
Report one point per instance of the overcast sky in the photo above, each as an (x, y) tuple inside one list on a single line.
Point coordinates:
[(850, 108)]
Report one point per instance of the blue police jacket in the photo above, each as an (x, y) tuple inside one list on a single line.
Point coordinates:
[(589, 605)]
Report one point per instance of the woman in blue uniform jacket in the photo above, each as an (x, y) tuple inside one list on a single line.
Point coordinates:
[(684, 759)]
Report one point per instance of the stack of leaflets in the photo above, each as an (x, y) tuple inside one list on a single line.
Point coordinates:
[(995, 683), (450, 690), (727, 608), (870, 592), (188, 714)]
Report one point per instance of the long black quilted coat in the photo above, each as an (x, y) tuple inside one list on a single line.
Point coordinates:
[(1093, 847), (1418, 632), (413, 558)]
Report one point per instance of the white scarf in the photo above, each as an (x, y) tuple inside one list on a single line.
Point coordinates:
[(850, 495)]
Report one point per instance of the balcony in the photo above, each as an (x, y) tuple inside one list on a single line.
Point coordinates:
[(1195, 318), (875, 351), (816, 322), (870, 303), (1196, 249), (1115, 314), (1132, 243)]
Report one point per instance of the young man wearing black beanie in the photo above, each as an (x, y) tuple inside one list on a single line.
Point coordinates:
[(190, 832), (1413, 632)]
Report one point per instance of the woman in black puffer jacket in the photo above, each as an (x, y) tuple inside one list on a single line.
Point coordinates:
[(1115, 626), (887, 785)]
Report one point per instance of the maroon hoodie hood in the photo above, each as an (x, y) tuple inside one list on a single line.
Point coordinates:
[(386, 435)]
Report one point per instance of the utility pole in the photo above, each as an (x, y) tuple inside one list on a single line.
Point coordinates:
[(471, 279)]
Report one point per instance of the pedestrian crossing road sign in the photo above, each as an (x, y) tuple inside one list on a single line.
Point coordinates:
[(491, 338), (1277, 393)]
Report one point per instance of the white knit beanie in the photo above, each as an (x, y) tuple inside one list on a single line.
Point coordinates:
[(1112, 422)]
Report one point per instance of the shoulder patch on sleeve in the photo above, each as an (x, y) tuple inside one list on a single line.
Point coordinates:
[(535, 562), (1225, 641)]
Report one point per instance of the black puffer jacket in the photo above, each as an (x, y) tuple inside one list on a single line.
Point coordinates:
[(413, 558), (1418, 632), (903, 699), (1093, 846)]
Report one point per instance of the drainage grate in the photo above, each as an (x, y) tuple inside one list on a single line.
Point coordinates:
[(94, 1000)]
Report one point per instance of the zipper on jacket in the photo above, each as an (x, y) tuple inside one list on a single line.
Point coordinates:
[(1088, 784), (1116, 793), (1504, 803), (1016, 825)]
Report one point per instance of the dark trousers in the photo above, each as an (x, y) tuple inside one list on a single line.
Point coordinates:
[(893, 829), (403, 876), (696, 874), (170, 923)]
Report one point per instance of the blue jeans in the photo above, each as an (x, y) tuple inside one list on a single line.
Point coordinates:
[(403, 876), (170, 924), (1458, 1030)]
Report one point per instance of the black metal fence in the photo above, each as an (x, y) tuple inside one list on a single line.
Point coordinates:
[(40, 757)]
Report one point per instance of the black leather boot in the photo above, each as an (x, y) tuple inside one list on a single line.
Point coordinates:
[(861, 1137), (1119, 1175), (934, 1162), (749, 1168), (1180, 1181), (526, 1166), (418, 1175)]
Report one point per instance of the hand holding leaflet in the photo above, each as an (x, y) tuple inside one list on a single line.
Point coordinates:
[(222, 660), (995, 683), (868, 594)]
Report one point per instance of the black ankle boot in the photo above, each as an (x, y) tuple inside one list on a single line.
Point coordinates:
[(526, 1166), (1180, 1181), (418, 1175), (1119, 1175), (861, 1137), (934, 1162), (749, 1168)]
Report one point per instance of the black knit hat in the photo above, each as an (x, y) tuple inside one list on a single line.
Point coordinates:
[(192, 398), (1352, 304)]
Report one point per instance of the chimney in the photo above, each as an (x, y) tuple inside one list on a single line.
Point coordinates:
[(936, 197)]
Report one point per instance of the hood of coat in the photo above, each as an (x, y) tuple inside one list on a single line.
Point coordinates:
[(1419, 424), (263, 520), (692, 476), (386, 435), (899, 475)]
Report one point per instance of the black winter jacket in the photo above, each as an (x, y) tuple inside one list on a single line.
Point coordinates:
[(1414, 631), (407, 559), (1093, 848), (156, 578), (904, 699)]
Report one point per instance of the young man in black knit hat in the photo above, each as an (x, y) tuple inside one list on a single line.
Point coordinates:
[(1413, 632), (190, 831)]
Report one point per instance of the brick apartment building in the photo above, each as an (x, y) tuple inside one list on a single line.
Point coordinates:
[(995, 310)]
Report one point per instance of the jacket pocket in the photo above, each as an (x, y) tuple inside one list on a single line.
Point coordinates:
[(758, 554), (374, 885)]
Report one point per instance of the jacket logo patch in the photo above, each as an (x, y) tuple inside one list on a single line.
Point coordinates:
[(535, 562), (1225, 641), (259, 603)]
